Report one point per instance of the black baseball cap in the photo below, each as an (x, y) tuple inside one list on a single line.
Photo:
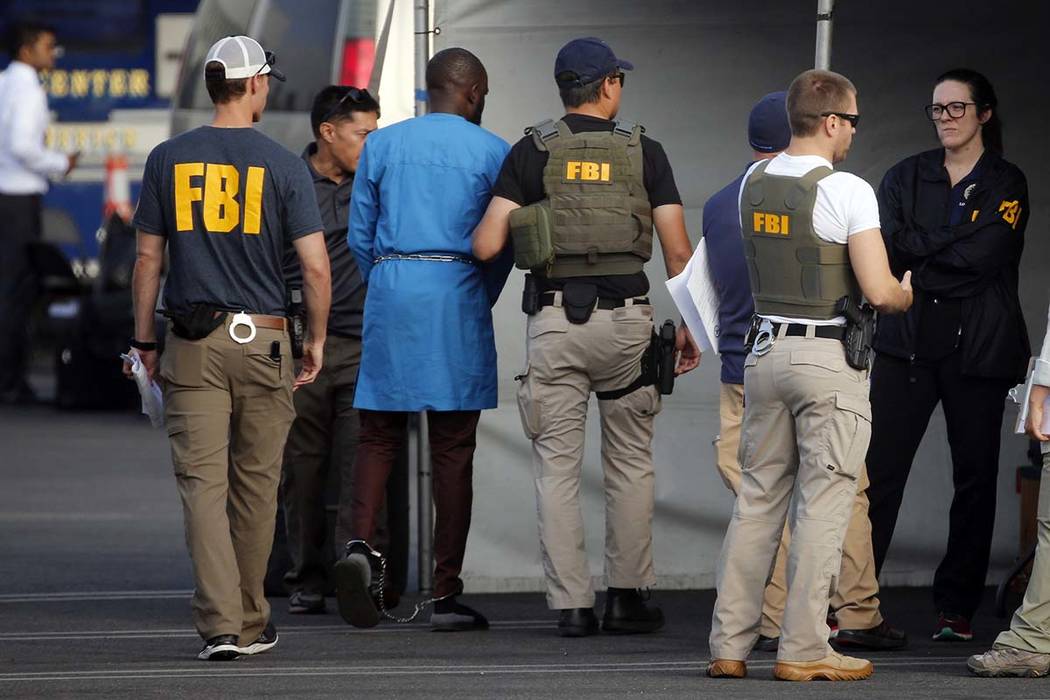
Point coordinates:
[(585, 60)]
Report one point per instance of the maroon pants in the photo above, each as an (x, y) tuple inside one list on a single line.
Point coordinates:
[(453, 437)]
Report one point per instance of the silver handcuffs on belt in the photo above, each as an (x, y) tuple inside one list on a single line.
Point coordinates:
[(765, 338), (242, 319)]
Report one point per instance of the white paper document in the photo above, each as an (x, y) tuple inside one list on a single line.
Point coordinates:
[(1021, 394), (694, 293), (149, 390)]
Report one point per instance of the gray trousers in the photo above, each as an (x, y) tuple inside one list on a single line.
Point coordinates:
[(807, 423), (566, 362), (1030, 626), (319, 456)]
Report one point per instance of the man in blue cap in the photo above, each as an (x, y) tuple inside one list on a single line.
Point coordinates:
[(581, 196), (854, 604)]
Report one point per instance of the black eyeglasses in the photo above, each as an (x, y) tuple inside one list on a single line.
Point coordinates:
[(955, 110), (853, 119), (621, 76), (355, 95)]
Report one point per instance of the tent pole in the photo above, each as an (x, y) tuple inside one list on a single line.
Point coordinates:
[(825, 8)]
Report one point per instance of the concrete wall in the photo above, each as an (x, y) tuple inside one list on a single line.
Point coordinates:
[(700, 65)]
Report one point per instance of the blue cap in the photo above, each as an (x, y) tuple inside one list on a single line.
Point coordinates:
[(586, 59), (768, 129)]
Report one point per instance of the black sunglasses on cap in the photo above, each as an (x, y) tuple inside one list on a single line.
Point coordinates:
[(271, 61)]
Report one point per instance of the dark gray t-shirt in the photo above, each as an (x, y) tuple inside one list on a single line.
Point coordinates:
[(348, 290), (228, 201)]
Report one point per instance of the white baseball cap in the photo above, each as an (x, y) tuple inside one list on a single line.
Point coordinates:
[(243, 57)]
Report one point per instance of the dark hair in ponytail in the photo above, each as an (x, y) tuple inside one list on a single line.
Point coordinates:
[(981, 92)]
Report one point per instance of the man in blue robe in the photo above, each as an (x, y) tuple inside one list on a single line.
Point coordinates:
[(422, 186)]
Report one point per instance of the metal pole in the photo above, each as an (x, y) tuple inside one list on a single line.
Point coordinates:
[(422, 15), (425, 501), (825, 9)]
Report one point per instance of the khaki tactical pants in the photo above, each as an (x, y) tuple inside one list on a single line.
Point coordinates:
[(1030, 626), (855, 602), (806, 428), (228, 408), (566, 362)]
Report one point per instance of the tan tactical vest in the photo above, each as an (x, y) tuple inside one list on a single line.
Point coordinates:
[(596, 219), (793, 272)]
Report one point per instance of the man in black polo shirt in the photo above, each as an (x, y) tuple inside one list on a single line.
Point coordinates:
[(324, 434), (591, 326)]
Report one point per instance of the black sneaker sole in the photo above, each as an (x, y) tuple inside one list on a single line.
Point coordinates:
[(631, 627), (576, 631), (351, 589), (225, 652), (850, 643)]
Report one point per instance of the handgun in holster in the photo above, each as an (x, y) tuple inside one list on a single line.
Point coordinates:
[(860, 332), (657, 365), (296, 323)]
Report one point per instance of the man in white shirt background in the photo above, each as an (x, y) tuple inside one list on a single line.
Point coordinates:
[(25, 166)]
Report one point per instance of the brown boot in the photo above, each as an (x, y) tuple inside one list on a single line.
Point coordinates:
[(726, 668), (834, 667)]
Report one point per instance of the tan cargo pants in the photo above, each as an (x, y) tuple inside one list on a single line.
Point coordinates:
[(566, 362), (807, 423), (855, 602), (1030, 626), (228, 408)]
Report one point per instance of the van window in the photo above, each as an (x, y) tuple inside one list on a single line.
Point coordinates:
[(215, 19), (302, 40)]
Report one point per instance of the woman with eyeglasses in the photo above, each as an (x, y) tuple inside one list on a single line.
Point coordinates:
[(955, 216)]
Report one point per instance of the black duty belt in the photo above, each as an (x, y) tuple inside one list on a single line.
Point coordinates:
[(800, 330), (548, 299)]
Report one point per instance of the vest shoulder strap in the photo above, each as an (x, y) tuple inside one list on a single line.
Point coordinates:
[(545, 131), (805, 185), (629, 131), (753, 187)]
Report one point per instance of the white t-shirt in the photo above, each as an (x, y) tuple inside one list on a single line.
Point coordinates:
[(845, 205)]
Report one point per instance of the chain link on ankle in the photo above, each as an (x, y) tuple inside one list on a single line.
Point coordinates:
[(381, 598)]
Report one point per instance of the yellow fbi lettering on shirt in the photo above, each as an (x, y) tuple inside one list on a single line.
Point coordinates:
[(216, 186), (588, 170), (771, 224)]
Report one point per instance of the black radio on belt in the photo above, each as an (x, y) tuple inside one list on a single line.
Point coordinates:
[(296, 325)]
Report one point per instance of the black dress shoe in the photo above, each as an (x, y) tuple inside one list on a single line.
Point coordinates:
[(627, 613), (765, 643), (880, 637), (577, 622)]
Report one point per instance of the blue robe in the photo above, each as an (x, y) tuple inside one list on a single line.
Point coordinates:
[(421, 187)]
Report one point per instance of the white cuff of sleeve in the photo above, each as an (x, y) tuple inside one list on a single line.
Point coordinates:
[(1041, 373)]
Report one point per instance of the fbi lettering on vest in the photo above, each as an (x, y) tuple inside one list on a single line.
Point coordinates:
[(768, 224), (588, 171), (216, 186)]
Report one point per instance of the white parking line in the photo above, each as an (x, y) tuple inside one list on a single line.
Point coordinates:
[(84, 635), (92, 595), (696, 665)]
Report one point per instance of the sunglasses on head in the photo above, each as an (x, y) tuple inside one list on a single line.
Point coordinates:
[(355, 95), (271, 61)]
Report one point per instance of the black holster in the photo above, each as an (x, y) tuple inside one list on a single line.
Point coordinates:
[(197, 323), (296, 323), (657, 365), (530, 296), (860, 332)]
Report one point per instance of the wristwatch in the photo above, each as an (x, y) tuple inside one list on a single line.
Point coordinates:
[(143, 345)]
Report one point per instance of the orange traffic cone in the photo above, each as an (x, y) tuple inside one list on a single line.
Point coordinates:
[(118, 189)]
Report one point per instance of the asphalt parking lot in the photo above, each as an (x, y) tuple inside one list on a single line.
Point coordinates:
[(94, 587)]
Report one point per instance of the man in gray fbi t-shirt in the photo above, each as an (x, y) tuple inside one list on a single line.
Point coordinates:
[(228, 201)]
